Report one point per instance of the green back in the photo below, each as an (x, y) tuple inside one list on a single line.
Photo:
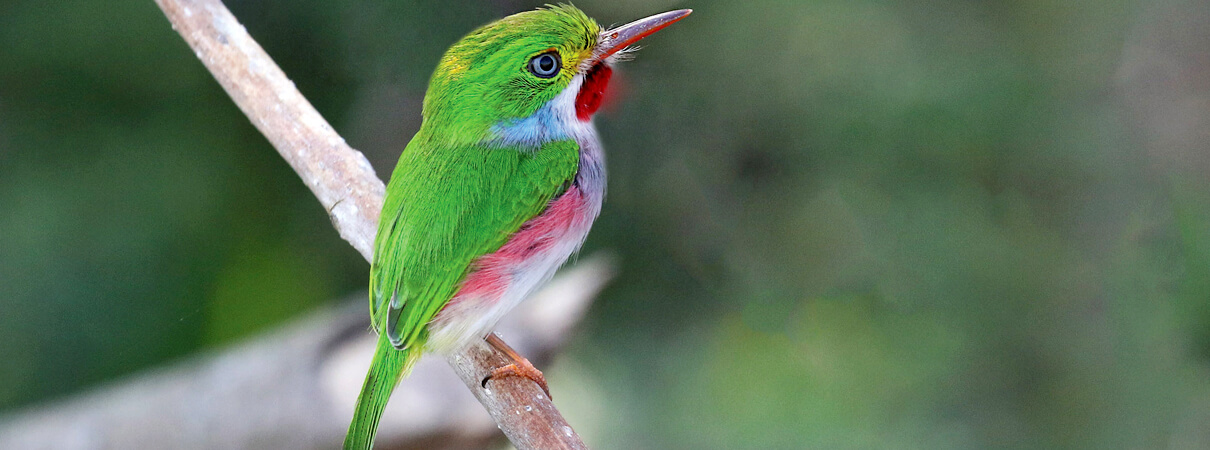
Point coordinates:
[(455, 196), (450, 205)]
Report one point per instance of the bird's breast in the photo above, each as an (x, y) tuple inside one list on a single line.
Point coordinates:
[(499, 281), (502, 279)]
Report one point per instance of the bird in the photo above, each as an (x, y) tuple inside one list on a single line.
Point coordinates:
[(494, 192)]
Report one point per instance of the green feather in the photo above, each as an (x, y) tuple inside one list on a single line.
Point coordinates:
[(448, 206), (482, 79), (454, 196), (387, 368)]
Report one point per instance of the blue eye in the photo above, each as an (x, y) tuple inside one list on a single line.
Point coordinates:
[(545, 65)]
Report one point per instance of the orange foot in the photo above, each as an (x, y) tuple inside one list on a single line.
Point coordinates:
[(520, 366)]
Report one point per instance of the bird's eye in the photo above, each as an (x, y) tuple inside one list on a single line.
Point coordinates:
[(546, 65)]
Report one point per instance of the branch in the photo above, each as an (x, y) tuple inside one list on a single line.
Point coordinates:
[(345, 184), (295, 388)]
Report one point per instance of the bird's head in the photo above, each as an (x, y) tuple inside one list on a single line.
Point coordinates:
[(529, 77)]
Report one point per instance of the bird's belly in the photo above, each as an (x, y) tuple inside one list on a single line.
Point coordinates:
[(501, 280)]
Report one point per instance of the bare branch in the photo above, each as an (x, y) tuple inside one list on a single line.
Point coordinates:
[(341, 178), (346, 185)]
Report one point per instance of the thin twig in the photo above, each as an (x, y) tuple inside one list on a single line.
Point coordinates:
[(346, 185)]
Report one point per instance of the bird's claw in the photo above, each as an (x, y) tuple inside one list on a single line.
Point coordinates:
[(522, 369)]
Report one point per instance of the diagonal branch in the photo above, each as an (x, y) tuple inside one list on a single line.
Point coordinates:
[(345, 183)]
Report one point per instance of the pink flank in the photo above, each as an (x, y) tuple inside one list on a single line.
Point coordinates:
[(493, 273)]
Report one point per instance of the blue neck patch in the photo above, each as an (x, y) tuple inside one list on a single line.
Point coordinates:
[(541, 127)]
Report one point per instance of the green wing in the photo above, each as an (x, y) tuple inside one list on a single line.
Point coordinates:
[(446, 206)]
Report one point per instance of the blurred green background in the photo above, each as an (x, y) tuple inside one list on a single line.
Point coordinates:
[(841, 224)]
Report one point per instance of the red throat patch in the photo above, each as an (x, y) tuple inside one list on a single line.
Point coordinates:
[(588, 100)]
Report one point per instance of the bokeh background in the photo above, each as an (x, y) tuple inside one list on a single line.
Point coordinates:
[(840, 223)]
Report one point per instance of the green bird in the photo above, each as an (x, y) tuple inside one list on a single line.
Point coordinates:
[(495, 191)]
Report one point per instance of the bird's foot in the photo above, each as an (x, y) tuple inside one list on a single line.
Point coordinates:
[(523, 369), (520, 367)]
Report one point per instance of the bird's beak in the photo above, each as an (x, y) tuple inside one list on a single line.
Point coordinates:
[(613, 41)]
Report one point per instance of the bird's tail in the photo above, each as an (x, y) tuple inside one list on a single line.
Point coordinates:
[(388, 367)]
